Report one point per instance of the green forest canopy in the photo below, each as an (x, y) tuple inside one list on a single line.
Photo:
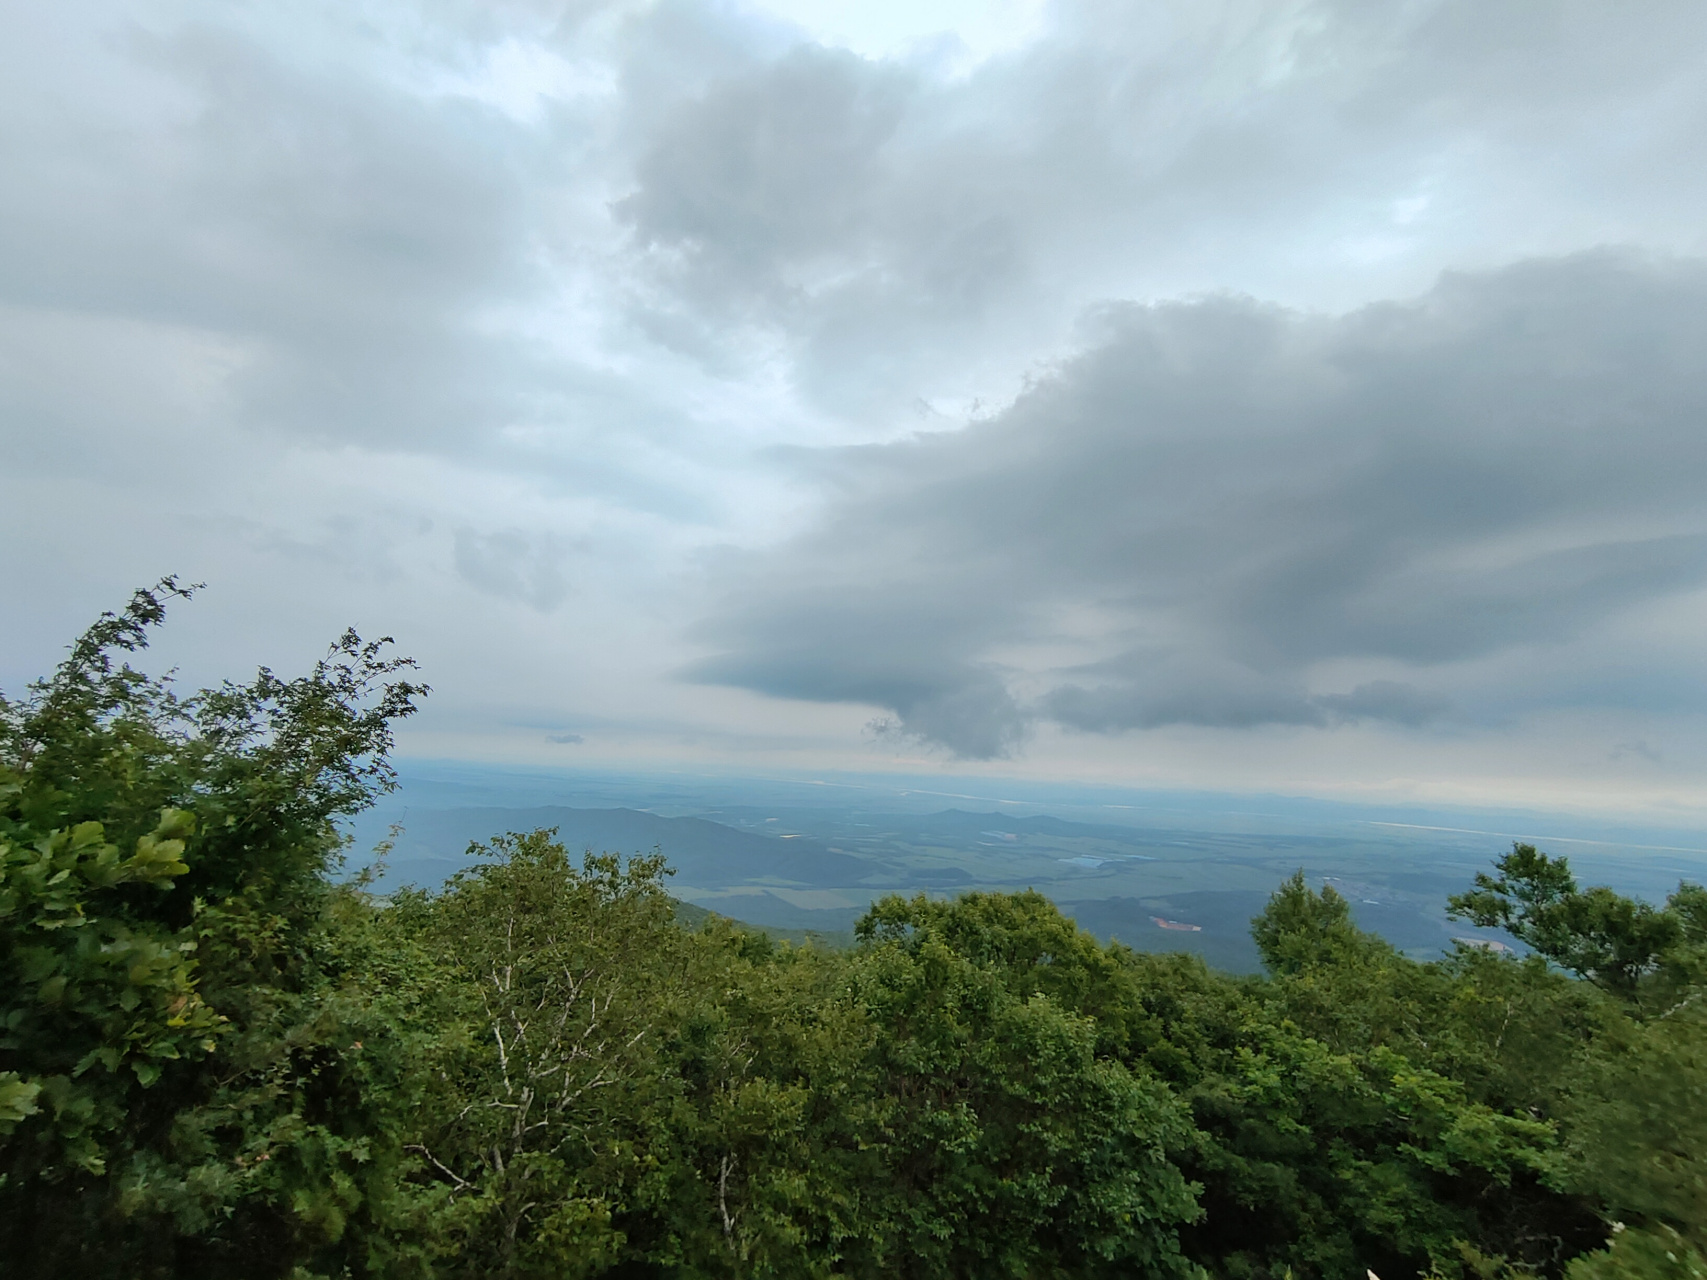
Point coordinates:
[(219, 1059)]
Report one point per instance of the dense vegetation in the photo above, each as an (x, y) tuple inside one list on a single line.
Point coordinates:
[(219, 1059)]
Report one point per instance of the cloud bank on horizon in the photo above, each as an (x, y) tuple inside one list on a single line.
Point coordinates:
[(1292, 394)]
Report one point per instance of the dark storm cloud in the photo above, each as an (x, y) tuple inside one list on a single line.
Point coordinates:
[(1224, 498)]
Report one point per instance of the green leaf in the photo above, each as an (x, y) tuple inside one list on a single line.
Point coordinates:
[(17, 1099)]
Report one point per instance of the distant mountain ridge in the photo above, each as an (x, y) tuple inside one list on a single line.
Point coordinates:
[(804, 870), (705, 854)]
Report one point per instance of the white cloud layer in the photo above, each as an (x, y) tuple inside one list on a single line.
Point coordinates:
[(1076, 384)]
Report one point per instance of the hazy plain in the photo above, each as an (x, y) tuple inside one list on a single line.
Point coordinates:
[(1158, 871)]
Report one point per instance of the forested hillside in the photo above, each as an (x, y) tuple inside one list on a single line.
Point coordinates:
[(220, 1059)]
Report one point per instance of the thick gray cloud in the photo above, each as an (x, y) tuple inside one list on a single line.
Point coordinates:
[(512, 565), (535, 331), (905, 237), (1227, 498), (338, 236)]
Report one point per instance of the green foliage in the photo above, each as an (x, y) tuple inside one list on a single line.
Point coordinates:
[(1301, 929), (218, 1060), (1339, 1130), (1019, 1149), (1641, 1255), (174, 1028), (88, 984), (1609, 939), (772, 1159), (564, 992), (1637, 1133)]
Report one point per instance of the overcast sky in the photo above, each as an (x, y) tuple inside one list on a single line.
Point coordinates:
[(1271, 394)]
